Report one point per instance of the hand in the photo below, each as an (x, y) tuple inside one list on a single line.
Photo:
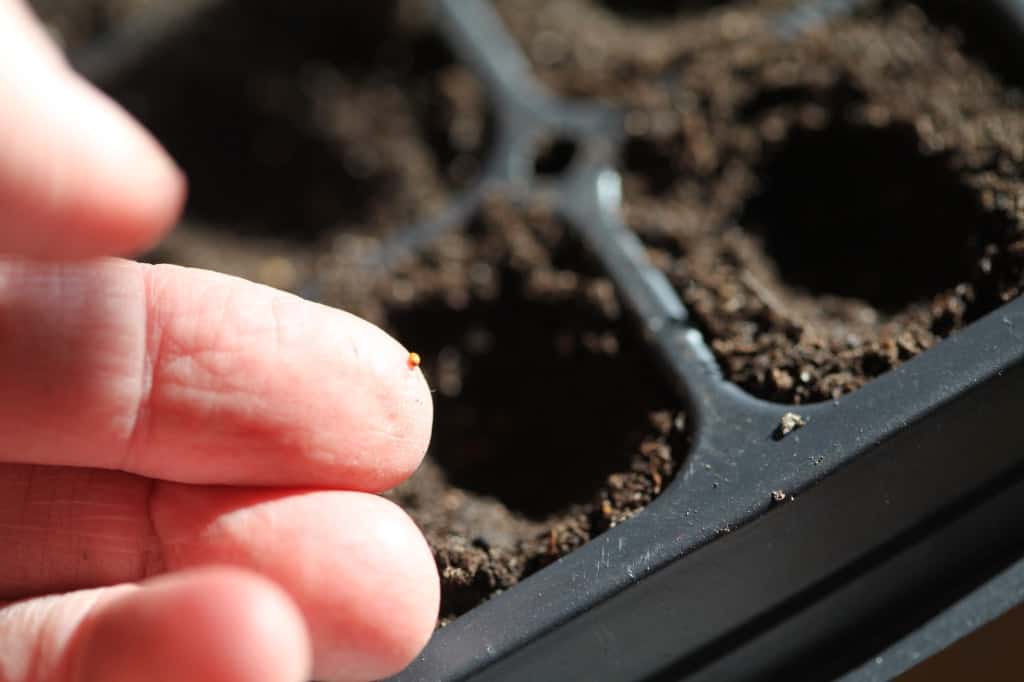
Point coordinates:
[(185, 458)]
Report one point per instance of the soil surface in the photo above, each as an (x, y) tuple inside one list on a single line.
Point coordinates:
[(307, 122), (827, 207), (551, 423)]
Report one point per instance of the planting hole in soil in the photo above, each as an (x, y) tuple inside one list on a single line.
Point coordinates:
[(307, 121), (550, 424), (847, 211), (519, 385), (554, 156)]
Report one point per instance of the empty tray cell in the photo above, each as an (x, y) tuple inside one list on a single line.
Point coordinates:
[(551, 424), (311, 123), (831, 207), (847, 210)]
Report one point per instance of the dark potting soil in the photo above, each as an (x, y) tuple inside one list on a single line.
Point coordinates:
[(551, 425), (827, 207), (311, 121)]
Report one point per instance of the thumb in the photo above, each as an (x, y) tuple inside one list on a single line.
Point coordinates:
[(78, 176), (220, 625)]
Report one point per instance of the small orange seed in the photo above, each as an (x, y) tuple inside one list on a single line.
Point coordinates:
[(414, 360)]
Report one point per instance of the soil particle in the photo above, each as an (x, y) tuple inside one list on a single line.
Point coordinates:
[(789, 423), (827, 208)]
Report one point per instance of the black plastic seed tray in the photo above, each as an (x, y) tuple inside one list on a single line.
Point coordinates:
[(717, 579), (808, 555)]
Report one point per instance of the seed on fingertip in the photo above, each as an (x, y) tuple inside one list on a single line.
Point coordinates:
[(414, 360)]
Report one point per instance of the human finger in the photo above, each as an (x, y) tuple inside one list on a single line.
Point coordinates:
[(354, 563), (78, 176), (214, 624), (197, 377)]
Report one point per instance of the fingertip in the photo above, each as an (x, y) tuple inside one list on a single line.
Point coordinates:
[(378, 637), (416, 593), (138, 193), (215, 624), (355, 563), (415, 416), (120, 190), (422, 420), (79, 177), (379, 439)]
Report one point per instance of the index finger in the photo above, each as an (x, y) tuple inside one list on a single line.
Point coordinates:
[(197, 377)]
